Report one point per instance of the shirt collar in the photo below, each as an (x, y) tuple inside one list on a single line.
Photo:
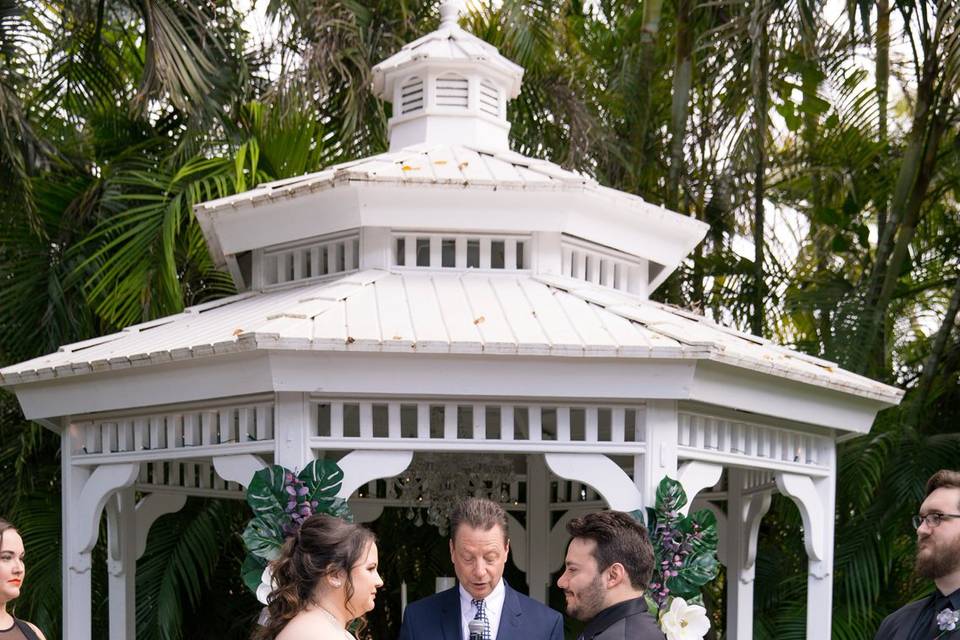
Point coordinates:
[(954, 598), (613, 613), (493, 601)]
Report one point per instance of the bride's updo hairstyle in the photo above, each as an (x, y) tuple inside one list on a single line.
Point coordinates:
[(323, 545)]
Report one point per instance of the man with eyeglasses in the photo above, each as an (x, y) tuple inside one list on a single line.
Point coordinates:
[(936, 617)]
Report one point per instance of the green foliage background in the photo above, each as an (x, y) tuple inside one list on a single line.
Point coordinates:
[(116, 116)]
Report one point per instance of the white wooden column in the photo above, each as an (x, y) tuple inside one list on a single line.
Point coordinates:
[(77, 614), (85, 494), (291, 430), (538, 527), (122, 564), (816, 499), (660, 433), (744, 513)]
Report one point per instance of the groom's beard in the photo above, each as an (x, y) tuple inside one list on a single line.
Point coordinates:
[(937, 560)]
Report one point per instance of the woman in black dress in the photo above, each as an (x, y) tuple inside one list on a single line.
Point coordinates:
[(11, 581)]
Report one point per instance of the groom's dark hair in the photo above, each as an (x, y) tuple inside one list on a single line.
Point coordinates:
[(479, 513), (620, 538), (945, 478)]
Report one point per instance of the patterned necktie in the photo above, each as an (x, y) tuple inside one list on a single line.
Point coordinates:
[(482, 615)]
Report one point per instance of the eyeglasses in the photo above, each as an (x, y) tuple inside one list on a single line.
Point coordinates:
[(933, 520)]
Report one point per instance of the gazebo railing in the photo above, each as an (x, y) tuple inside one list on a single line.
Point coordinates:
[(191, 478), (454, 425), (749, 444), (240, 425)]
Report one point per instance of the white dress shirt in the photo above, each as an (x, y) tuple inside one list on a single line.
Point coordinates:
[(493, 604)]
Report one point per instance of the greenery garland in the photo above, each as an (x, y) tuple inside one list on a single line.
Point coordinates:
[(685, 547), (281, 500)]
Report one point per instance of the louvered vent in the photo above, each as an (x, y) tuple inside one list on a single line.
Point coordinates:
[(452, 92), (411, 96), (489, 98)]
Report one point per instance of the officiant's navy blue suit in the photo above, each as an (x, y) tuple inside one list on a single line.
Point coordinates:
[(437, 617)]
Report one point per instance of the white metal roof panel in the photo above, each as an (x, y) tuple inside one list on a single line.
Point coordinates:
[(434, 312)]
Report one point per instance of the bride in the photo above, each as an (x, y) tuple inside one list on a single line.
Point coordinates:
[(325, 577)]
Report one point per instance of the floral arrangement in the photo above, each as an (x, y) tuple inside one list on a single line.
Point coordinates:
[(685, 551), (281, 500), (947, 621)]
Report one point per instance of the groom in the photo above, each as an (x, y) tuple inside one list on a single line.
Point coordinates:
[(938, 558), (478, 548)]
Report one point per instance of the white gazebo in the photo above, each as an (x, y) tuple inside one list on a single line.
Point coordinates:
[(446, 300)]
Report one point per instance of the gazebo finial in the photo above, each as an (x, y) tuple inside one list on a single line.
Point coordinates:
[(450, 13)]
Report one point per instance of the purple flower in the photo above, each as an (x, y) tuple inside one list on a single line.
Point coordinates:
[(948, 620)]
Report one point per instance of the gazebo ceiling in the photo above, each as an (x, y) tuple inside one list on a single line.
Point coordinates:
[(412, 311)]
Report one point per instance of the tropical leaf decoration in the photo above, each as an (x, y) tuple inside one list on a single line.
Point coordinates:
[(281, 500), (685, 547)]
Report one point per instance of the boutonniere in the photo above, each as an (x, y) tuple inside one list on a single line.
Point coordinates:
[(947, 621)]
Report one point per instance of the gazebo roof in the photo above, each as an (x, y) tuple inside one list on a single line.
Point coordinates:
[(458, 313), (617, 219), (448, 44)]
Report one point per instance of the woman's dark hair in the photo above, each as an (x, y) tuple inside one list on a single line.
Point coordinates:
[(322, 546)]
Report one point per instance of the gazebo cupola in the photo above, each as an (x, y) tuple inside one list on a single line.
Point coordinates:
[(448, 86)]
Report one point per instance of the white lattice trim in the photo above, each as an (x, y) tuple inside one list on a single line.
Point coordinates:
[(182, 431), (451, 425), (600, 265), (461, 251), (308, 261), (714, 439)]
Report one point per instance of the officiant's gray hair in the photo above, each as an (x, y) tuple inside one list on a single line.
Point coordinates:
[(479, 513)]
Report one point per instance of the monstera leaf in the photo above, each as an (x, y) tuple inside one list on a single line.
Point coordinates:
[(670, 499), (264, 534), (266, 493), (685, 546), (281, 500), (252, 571)]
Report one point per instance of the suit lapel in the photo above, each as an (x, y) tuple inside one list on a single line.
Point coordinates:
[(910, 618), (511, 616), (450, 620)]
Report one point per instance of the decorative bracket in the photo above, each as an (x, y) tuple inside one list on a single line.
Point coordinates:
[(757, 506), (804, 494), (360, 467), (149, 509), (601, 473), (96, 491), (696, 476), (238, 468)]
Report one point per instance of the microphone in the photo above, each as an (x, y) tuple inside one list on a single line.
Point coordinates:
[(475, 628)]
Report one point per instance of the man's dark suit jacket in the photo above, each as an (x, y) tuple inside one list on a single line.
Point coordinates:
[(897, 625), (438, 618)]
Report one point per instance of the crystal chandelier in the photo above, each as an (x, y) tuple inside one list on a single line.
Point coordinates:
[(434, 483)]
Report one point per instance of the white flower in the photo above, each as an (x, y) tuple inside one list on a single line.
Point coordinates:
[(684, 621), (266, 585)]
